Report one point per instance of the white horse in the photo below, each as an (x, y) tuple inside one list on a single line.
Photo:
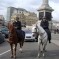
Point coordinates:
[(42, 38)]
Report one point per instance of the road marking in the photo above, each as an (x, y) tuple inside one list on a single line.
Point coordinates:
[(4, 52)]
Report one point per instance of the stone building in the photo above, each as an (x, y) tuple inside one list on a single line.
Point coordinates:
[(24, 16), (2, 20), (11, 11)]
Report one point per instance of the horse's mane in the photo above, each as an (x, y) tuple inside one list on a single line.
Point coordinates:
[(12, 33)]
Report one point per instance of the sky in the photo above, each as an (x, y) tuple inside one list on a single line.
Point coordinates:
[(30, 5)]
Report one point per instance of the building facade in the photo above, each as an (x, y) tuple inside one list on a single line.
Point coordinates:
[(24, 15), (2, 20)]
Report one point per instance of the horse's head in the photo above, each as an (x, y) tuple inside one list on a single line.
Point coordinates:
[(34, 29), (11, 27)]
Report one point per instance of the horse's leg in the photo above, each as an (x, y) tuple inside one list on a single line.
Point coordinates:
[(20, 46), (22, 43), (44, 47), (11, 50), (15, 50), (39, 49)]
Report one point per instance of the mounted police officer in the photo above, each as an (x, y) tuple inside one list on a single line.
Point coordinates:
[(45, 24), (17, 25)]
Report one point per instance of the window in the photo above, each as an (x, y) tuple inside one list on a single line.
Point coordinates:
[(48, 16), (41, 15)]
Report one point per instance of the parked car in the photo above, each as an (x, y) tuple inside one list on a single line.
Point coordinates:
[(1, 38), (29, 35), (4, 30)]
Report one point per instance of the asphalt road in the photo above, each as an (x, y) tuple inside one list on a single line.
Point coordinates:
[(30, 50)]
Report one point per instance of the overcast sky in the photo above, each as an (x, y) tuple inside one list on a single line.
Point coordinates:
[(30, 5)]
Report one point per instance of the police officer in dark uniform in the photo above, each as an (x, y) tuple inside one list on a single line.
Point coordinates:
[(45, 24), (17, 25)]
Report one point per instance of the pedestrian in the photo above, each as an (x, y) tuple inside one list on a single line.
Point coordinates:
[(45, 24)]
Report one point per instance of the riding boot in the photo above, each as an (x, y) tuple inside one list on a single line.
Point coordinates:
[(49, 41)]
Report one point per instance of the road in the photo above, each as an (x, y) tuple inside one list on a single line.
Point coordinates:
[(30, 51)]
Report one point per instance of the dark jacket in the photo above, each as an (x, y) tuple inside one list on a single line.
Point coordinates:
[(45, 24), (20, 33), (17, 25)]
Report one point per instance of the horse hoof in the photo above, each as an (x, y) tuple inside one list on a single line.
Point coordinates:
[(14, 57), (20, 50), (43, 55), (39, 55), (11, 56)]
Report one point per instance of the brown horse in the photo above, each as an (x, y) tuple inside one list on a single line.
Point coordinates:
[(13, 39)]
